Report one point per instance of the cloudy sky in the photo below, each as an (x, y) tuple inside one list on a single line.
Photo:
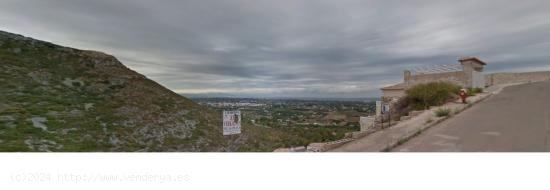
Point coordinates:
[(290, 48)]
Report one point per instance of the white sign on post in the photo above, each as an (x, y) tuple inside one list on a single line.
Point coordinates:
[(231, 122), (386, 108)]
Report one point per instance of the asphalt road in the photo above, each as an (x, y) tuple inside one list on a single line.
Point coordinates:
[(515, 120)]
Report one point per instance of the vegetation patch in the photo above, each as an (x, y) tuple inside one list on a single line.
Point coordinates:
[(442, 112), (423, 96), (474, 91)]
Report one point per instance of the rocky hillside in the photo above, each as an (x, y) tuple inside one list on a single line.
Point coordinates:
[(55, 98)]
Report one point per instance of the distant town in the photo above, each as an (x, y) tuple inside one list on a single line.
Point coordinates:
[(296, 112)]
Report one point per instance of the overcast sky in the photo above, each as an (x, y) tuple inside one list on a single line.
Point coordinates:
[(315, 48)]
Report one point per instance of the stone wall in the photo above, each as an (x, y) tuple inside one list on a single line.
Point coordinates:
[(391, 93), (506, 78), (457, 77), (366, 123)]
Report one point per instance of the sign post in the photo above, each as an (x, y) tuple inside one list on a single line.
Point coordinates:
[(389, 116), (231, 122), (386, 110)]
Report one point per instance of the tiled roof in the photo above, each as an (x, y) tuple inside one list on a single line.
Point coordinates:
[(472, 58)]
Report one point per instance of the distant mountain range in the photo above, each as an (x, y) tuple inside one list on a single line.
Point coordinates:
[(211, 95), (224, 95)]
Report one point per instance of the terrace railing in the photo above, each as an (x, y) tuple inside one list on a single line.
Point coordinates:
[(436, 69)]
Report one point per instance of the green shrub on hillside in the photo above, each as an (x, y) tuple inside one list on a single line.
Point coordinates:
[(423, 96)]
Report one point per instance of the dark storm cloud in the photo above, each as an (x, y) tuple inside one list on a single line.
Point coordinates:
[(290, 48)]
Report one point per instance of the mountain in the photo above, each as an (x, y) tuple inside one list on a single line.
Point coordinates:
[(55, 98)]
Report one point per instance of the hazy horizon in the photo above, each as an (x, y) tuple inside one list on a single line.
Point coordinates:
[(325, 49), (244, 96)]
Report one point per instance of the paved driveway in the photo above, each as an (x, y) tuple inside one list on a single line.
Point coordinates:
[(516, 120)]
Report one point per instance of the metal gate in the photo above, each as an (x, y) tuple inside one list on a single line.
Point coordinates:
[(478, 80)]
